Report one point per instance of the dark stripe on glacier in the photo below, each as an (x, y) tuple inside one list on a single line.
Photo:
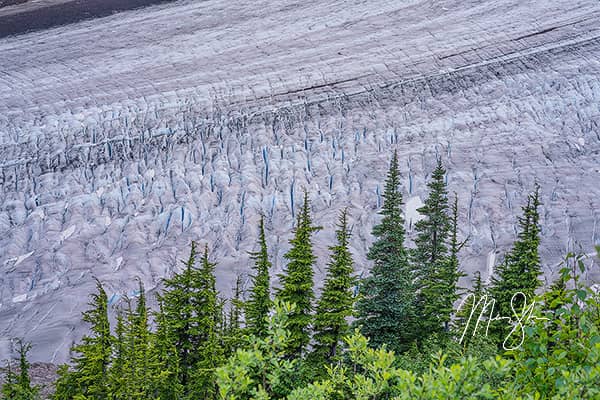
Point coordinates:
[(66, 13)]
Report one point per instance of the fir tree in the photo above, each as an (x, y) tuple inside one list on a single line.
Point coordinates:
[(178, 317), (259, 304), (18, 386), (142, 357), (472, 306), (443, 281), (385, 306), (189, 323), (336, 301), (209, 347), (232, 323), (430, 260), (131, 375), (121, 363), (89, 377), (10, 388), (235, 308), (517, 277), (297, 281), (165, 384)]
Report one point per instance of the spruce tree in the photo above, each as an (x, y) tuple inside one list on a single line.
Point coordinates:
[(385, 308), (259, 304), (519, 271), (430, 257), (297, 281), (336, 302), (89, 377)]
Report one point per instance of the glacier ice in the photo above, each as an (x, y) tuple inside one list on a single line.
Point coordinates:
[(115, 154)]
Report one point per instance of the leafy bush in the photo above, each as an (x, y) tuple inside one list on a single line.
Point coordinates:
[(558, 359)]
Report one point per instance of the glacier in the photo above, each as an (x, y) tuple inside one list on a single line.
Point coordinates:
[(124, 138)]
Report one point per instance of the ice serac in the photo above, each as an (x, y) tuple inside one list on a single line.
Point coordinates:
[(124, 138)]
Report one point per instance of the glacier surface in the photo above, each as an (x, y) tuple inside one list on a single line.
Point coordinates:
[(124, 138)]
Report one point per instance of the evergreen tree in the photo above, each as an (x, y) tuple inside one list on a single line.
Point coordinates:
[(297, 280), (472, 306), (121, 362), (519, 272), (232, 324), (89, 377), (142, 369), (18, 386), (385, 307), (189, 323), (259, 304), (165, 370), (209, 347), (433, 230), (435, 278), (131, 375), (10, 388), (178, 318), (442, 288), (235, 308), (336, 301)]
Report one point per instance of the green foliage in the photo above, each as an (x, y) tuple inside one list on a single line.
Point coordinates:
[(520, 270), (262, 370), (403, 347), (336, 302), (297, 281), (560, 357), (470, 311), (385, 307), (257, 307), (233, 334), (373, 375), (89, 377), (18, 386), (132, 370), (435, 257), (433, 230), (189, 324), (166, 384)]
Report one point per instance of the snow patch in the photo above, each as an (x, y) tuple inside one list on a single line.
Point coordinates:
[(22, 258), (411, 215), (491, 262), (118, 263), (20, 298), (67, 233)]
